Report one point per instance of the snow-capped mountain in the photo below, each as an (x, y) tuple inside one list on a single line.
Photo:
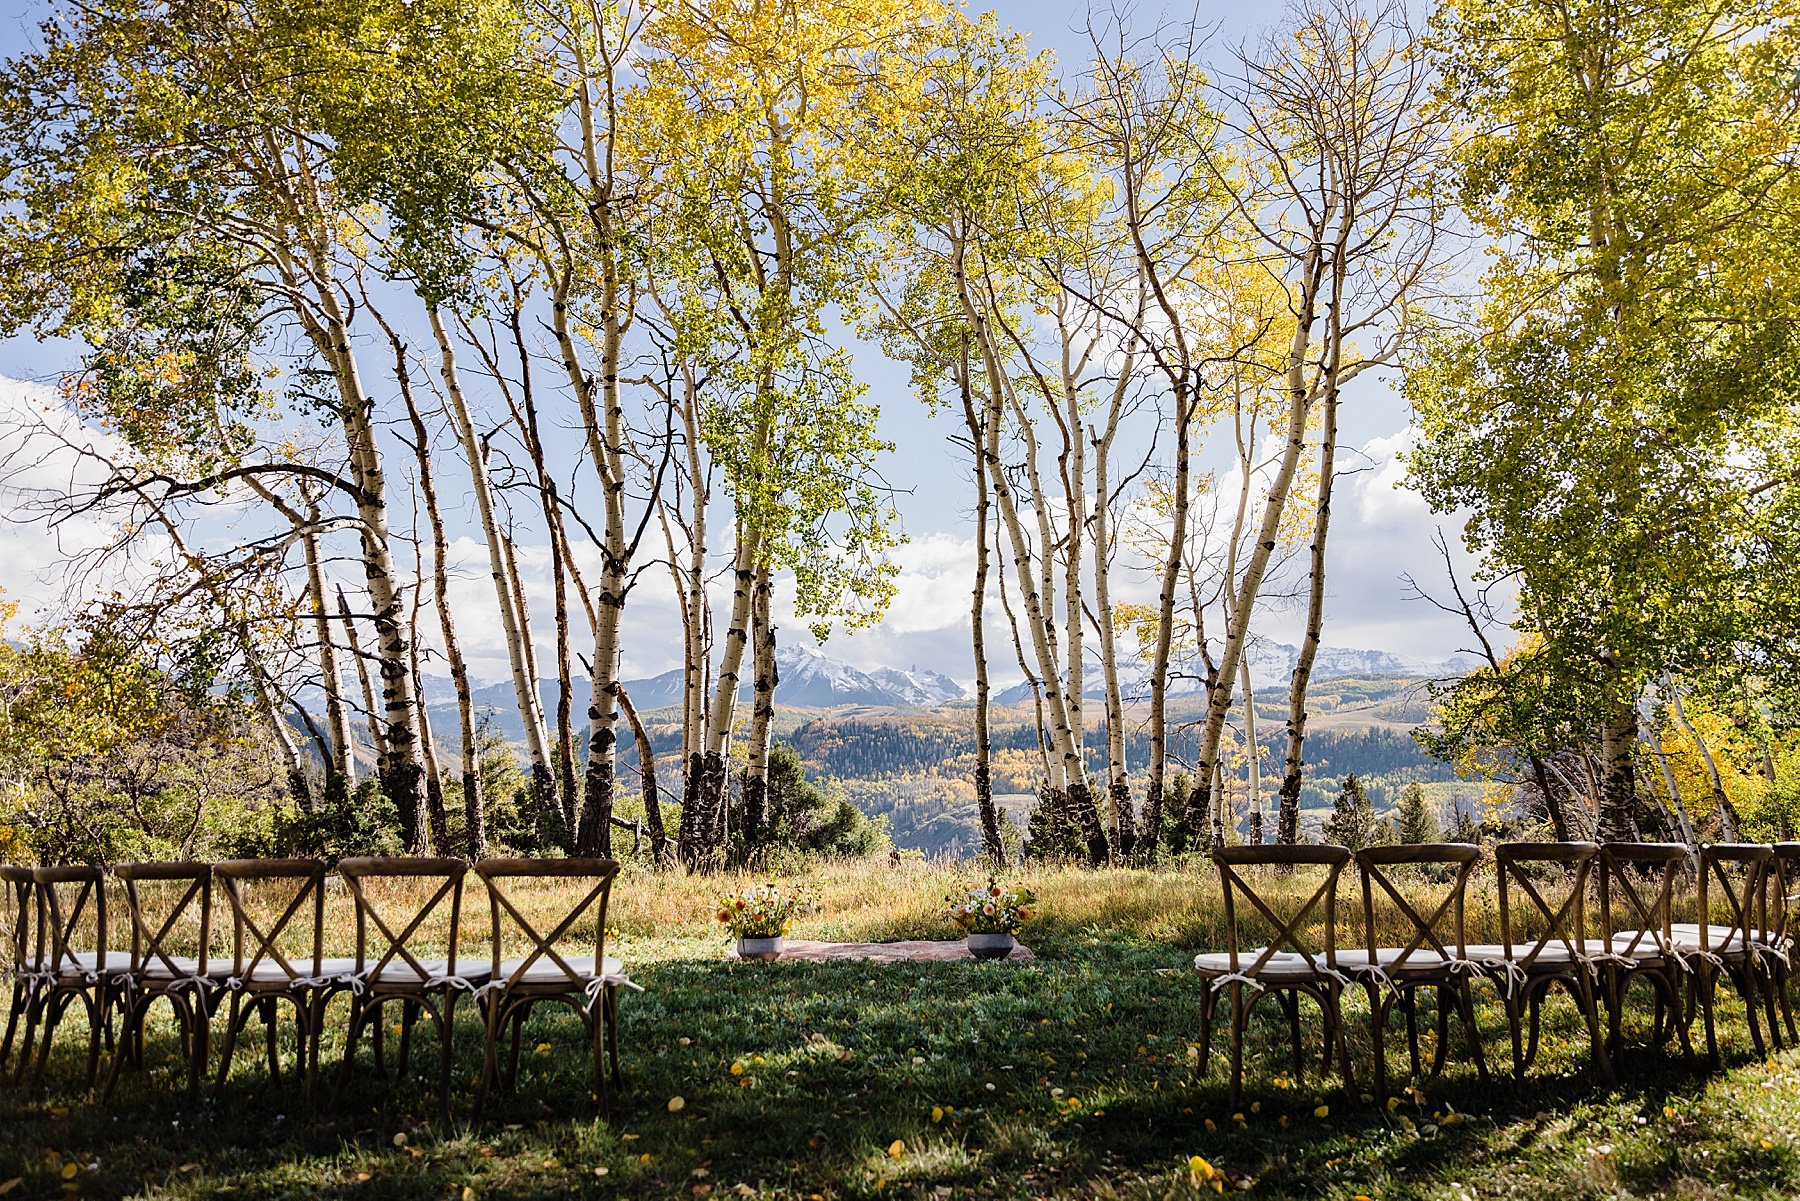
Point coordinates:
[(812, 680), (918, 687), (809, 679)]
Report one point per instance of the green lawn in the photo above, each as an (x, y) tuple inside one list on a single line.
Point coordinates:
[(1068, 1077)]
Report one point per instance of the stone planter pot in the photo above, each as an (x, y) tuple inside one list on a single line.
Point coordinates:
[(761, 948), (991, 946)]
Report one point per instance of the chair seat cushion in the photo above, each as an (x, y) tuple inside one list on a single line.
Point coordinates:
[(1687, 935), (1642, 946), (172, 967), (436, 972), (1283, 966), (77, 964), (545, 970), (1422, 959), (1555, 955), (268, 971)]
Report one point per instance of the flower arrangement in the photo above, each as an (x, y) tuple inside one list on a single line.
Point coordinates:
[(992, 909), (760, 912)]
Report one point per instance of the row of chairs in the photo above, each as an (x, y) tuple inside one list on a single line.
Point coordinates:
[(407, 914), (1550, 937)]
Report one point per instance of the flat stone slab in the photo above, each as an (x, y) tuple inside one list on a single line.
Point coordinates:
[(799, 950)]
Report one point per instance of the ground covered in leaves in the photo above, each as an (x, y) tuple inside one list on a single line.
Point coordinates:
[(1073, 1076)]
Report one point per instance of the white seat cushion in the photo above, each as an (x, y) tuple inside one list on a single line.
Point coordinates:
[(1687, 934), (1553, 955), (1283, 966), (545, 970), (159, 968), (268, 971), (1422, 959), (1636, 944), (400, 972)]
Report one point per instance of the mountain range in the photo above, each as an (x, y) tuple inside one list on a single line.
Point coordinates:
[(810, 679)]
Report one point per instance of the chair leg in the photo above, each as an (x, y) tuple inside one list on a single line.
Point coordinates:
[(1237, 1042), (1706, 982), (1290, 1003), (1783, 978), (409, 1013), (1515, 1021), (1378, 1012), (134, 1014), (1409, 1005), (33, 1015), (611, 996), (1465, 1000), (200, 1017), (1335, 1016), (359, 1016), (268, 1009), (596, 1023), (493, 1014), (1750, 992), (519, 1015), (446, 1054), (55, 1008), (1590, 1011), (15, 1009), (233, 1021), (1441, 1051), (1207, 1008), (97, 1012)]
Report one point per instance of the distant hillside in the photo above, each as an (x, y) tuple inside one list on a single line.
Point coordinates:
[(1270, 663)]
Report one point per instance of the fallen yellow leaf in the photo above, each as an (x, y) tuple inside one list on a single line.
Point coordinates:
[(677, 1104), (896, 1149)]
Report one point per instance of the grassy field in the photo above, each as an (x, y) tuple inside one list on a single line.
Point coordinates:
[(1069, 1077)]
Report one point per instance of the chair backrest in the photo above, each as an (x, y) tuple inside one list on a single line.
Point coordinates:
[(71, 901), (378, 943), (298, 886), (162, 917), (1288, 915), (1637, 894), (1543, 924), (24, 935), (1437, 933), (501, 874), (1733, 878)]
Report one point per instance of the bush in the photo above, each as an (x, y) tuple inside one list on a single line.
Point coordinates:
[(361, 822)]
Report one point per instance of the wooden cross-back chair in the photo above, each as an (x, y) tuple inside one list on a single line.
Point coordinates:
[(1434, 955), (68, 900), (165, 902), (1637, 895), (1526, 966), (1289, 965), (587, 983), (390, 918), (22, 953), (1733, 881), (264, 974)]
